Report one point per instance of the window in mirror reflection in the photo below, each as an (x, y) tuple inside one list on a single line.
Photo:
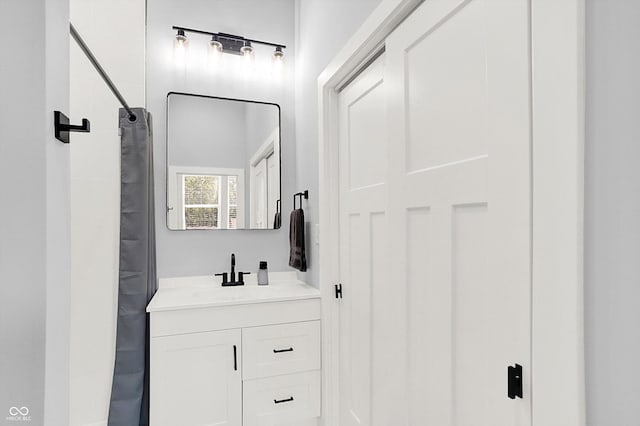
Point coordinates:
[(206, 198), (201, 195)]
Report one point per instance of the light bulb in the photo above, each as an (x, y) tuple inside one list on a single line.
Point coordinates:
[(214, 50), (180, 46), (278, 59), (278, 55), (247, 54)]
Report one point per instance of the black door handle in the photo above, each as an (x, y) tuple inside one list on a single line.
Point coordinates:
[(280, 401), (235, 358), (514, 381), (279, 351)]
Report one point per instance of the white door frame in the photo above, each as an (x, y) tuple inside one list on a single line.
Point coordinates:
[(558, 69)]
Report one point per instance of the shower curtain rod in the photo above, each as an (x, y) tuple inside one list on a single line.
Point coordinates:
[(101, 71)]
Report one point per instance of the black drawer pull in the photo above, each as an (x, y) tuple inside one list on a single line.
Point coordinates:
[(279, 351), (275, 401)]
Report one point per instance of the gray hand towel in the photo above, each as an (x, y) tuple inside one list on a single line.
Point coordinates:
[(297, 255)]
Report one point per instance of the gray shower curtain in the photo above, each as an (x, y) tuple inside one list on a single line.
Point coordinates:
[(137, 278)]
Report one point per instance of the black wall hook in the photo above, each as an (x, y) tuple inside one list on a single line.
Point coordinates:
[(62, 127), (304, 194)]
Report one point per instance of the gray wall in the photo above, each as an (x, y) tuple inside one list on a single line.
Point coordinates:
[(206, 132), (261, 121), (206, 252), (323, 27), (612, 196), (34, 218)]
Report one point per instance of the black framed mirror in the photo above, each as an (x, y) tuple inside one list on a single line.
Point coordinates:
[(223, 163)]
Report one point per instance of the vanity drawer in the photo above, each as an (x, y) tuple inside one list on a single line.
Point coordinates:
[(281, 349), (281, 400)]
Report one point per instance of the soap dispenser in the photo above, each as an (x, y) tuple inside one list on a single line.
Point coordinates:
[(263, 274)]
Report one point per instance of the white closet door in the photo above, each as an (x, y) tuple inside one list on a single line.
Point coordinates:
[(259, 195), (273, 192), (458, 79), (363, 241)]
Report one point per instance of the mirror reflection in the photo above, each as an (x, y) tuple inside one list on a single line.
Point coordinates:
[(223, 163)]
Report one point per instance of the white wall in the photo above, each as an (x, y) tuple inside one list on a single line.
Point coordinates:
[(58, 245), (206, 252), (114, 31), (323, 27), (34, 213), (612, 222)]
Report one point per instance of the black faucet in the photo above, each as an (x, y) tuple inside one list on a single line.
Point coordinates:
[(232, 282), (233, 267)]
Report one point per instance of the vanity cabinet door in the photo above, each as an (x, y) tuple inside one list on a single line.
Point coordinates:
[(196, 379)]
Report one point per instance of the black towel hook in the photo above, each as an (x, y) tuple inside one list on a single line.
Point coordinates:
[(62, 127), (304, 194)]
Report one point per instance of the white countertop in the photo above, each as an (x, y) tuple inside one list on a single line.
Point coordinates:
[(206, 291)]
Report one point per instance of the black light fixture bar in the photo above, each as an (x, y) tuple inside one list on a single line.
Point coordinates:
[(229, 36)]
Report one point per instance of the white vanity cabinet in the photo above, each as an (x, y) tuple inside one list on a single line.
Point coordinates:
[(241, 356)]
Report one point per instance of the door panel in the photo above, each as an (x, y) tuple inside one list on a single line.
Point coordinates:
[(459, 185), (471, 342), (367, 160), (444, 121)]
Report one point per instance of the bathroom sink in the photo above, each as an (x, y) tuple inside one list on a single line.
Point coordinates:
[(206, 291)]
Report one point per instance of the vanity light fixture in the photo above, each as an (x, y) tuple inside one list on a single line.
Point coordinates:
[(227, 43)]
